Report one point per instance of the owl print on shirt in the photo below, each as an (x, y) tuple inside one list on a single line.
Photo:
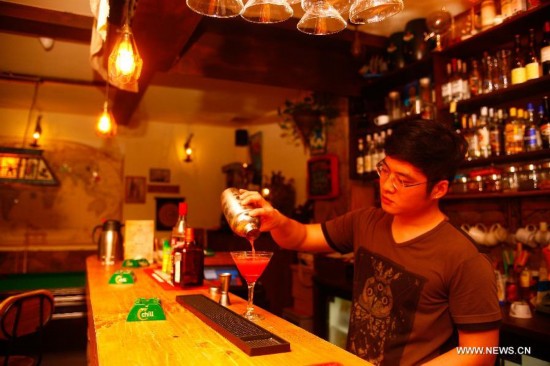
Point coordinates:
[(383, 310)]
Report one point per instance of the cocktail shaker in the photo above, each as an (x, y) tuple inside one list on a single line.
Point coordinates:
[(237, 215)]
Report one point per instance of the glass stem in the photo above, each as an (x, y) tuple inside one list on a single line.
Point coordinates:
[(250, 305)]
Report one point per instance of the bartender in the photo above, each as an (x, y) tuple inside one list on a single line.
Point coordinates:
[(422, 292)]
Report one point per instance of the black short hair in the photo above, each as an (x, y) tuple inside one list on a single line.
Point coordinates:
[(430, 146)]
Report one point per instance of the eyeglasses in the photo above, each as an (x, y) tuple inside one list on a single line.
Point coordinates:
[(384, 172)]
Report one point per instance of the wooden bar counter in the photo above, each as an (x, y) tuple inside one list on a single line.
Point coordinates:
[(182, 339)]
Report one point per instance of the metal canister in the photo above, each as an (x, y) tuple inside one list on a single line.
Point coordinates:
[(237, 215)]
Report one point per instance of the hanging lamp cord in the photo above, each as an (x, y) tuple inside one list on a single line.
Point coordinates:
[(29, 117)]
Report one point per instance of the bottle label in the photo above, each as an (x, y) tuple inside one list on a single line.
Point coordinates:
[(519, 75), (360, 169), (545, 54), (530, 138), (456, 90), (532, 70)]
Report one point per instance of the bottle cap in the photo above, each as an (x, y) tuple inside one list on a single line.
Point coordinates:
[(189, 234), (182, 209)]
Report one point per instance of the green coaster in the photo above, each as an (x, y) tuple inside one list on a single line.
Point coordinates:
[(146, 310), (122, 277), (135, 263)]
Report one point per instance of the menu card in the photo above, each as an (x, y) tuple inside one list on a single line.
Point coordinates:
[(139, 239)]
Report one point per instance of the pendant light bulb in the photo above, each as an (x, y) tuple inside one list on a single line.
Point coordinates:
[(125, 63), (106, 125)]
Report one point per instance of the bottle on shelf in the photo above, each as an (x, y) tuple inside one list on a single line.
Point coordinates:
[(544, 124), (482, 132), (545, 49), (456, 81), (192, 261), (532, 64), (360, 160), (472, 138), (496, 133), (446, 86), (370, 164), (530, 138), (177, 242), (474, 80), (487, 78), (465, 85), (509, 132), (518, 64), (488, 13)]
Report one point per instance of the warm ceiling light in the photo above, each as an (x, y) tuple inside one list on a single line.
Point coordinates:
[(125, 64), (37, 132), (106, 125)]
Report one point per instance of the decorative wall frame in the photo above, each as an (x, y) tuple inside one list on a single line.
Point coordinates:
[(323, 177), (159, 175), (134, 189)]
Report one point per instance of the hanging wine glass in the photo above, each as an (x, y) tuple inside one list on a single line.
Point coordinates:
[(321, 18), (267, 11), (373, 11), (216, 8), (439, 23)]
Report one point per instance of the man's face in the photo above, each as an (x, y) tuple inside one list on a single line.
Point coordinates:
[(402, 187)]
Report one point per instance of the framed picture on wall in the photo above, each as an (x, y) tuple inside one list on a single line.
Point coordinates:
[(322, 177), (167, 212), (158, 175), (135, 189)]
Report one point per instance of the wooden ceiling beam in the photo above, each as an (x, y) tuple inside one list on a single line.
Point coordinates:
[(39, 22)]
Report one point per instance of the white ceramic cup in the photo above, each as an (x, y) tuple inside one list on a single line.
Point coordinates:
[(478, 232), (526, 235), (520, 309), (381, 119), (542, 237), (499, 232)]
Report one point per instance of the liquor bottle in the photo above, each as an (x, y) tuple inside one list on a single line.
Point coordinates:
[(482, 132), (446, 86), (369, 150), (192, 261), (532, 65), (519, 131), (509, 134), (544, 124), (487, 79), (530, 133), (518, 66), (545, 50), (474, 80), (472, 138), (360, 160), (495, 133), (456, 81), (465, 85), (177, 242)]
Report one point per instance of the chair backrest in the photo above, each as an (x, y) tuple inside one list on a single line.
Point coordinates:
[(25, 313)]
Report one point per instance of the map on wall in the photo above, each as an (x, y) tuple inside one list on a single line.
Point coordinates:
[(90, 190)]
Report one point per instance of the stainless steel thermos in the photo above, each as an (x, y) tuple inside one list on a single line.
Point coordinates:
[(237, 215)]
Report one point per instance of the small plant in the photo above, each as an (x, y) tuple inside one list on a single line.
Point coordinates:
[(300, 119)]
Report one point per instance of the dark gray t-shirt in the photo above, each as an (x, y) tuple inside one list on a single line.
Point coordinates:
[(409, 298)]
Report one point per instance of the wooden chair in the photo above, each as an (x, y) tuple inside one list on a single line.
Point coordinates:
[(21, 315)]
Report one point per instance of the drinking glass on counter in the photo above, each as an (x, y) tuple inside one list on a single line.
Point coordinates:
[(251, 265)]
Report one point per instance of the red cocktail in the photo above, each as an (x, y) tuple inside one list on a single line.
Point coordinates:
[(251, 266)]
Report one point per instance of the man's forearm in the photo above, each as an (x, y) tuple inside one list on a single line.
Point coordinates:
[(289, 233)]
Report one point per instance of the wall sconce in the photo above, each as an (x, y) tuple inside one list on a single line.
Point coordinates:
[(125, 64), (188, 150), (37, 132)]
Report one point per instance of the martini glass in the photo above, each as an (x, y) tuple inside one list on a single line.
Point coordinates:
[(251, 266)]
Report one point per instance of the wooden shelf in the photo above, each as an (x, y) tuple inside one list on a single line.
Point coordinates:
[(501, 195), (400, 77), (513, 92), (498, 35), (506, 159)]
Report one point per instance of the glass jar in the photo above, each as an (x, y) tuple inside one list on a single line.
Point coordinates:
[(460, 184), (510, 179), (529, 178), (493, 183), (544, 175), (475, 185)]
